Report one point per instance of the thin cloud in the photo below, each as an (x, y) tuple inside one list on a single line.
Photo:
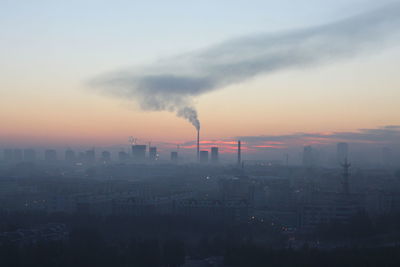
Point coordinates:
[(384, 135)]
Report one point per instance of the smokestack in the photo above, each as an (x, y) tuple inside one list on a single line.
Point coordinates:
[(239, 156), (198, 145)]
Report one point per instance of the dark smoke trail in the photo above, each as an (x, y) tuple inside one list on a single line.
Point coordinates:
[(171, 84), (190, 114)]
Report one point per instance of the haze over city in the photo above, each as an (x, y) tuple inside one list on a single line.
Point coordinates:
[(199, 133)]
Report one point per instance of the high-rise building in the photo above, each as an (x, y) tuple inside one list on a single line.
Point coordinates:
[(153, 153), (174, 156), (203, 156), (308, 156), (70, 155), (50, 155), (342, 152), (214, 154), (29, 155), (139, 152)]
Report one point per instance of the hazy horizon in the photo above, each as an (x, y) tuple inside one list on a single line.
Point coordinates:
[(54, 52)]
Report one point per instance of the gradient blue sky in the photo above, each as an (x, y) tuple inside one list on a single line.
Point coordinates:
[(50, 49)]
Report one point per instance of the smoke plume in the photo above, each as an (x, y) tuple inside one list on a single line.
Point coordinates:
[(170, 84)]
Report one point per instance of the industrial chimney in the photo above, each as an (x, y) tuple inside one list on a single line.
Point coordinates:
[(198, 145), (239, 152)]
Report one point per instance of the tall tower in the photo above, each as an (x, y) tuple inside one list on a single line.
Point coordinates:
[(239, 154), (198, 145), (346, 173)]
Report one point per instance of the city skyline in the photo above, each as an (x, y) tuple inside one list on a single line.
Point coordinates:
[(230, 133)]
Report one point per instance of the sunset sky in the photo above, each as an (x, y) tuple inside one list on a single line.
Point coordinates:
[(52, 50)]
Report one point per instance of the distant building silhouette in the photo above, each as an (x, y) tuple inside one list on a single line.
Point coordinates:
[(214, 155), (139, 152), (327, 207), (153, 153)]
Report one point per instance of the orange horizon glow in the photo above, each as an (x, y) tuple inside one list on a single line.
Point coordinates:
[(46, 98)]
